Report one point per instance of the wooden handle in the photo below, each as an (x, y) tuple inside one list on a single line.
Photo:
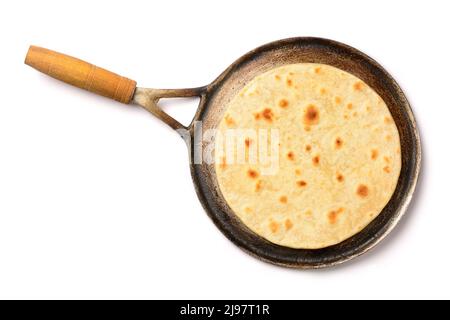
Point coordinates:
[(81, 74)]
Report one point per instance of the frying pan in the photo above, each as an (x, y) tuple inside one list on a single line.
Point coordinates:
[(213, 100)]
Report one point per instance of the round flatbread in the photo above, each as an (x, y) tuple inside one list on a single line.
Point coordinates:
[(334, 150)]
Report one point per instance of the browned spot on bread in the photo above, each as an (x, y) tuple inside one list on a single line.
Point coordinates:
[(283, 103), (337, 100), (311, 115), (346, 116), (334, 214), (283, 199), (323, 90), (362, 191), (288, 224), (340, 177), (298, 172), (301, 183), (277, 77), (307, 128), (358, 86), (368, 108), (223, 163), (291, 73), (387, 159), (338, 143), (248, 210), (289, 82), (387, 120), (317, 70), (374, 154), (388, 137), (308, 213), (267, 114), (349, 106), (258, 186), (273, 226), (355, 114), (387, 169), (247, 142), (252, 173), (229, 120), (316, 160), (257, 116), (308, 147), (291, 156)]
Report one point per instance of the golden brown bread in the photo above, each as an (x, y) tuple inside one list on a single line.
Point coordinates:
[(339, 156)]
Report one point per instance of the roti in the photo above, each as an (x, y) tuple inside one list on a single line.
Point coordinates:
[(336, 149)]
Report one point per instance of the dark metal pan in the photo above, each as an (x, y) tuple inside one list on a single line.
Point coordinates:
[(213, 100)]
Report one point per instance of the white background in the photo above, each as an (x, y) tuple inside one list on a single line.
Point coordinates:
[(96, 199)]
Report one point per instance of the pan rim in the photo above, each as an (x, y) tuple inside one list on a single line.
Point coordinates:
[(201, 183)]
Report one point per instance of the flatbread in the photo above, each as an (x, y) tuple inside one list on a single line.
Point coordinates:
[(339, 156)]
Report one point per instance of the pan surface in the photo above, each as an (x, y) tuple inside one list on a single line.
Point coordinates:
[(218, 94)]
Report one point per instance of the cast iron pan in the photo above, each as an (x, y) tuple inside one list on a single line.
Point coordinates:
[(213, 100)]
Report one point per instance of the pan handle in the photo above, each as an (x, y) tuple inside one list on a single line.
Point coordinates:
[(148, 99), (81, 74), (87, 76)]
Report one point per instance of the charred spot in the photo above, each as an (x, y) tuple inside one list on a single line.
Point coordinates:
[(301, 183), (311, 115), (223, 163), (229, 120), (358, 86), (362, 191), (316, 160), (267, 114), (317, 70), (283, 103), (291, 156), (289, 82), (257, 116), (288, 224), (334, 214), (349, 106), (340, 177), (252, 173), (273, 226), (374, 154), (308, 147), (258, 186), (283, 199), (247, 142), (338, 142), (387, 169)]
